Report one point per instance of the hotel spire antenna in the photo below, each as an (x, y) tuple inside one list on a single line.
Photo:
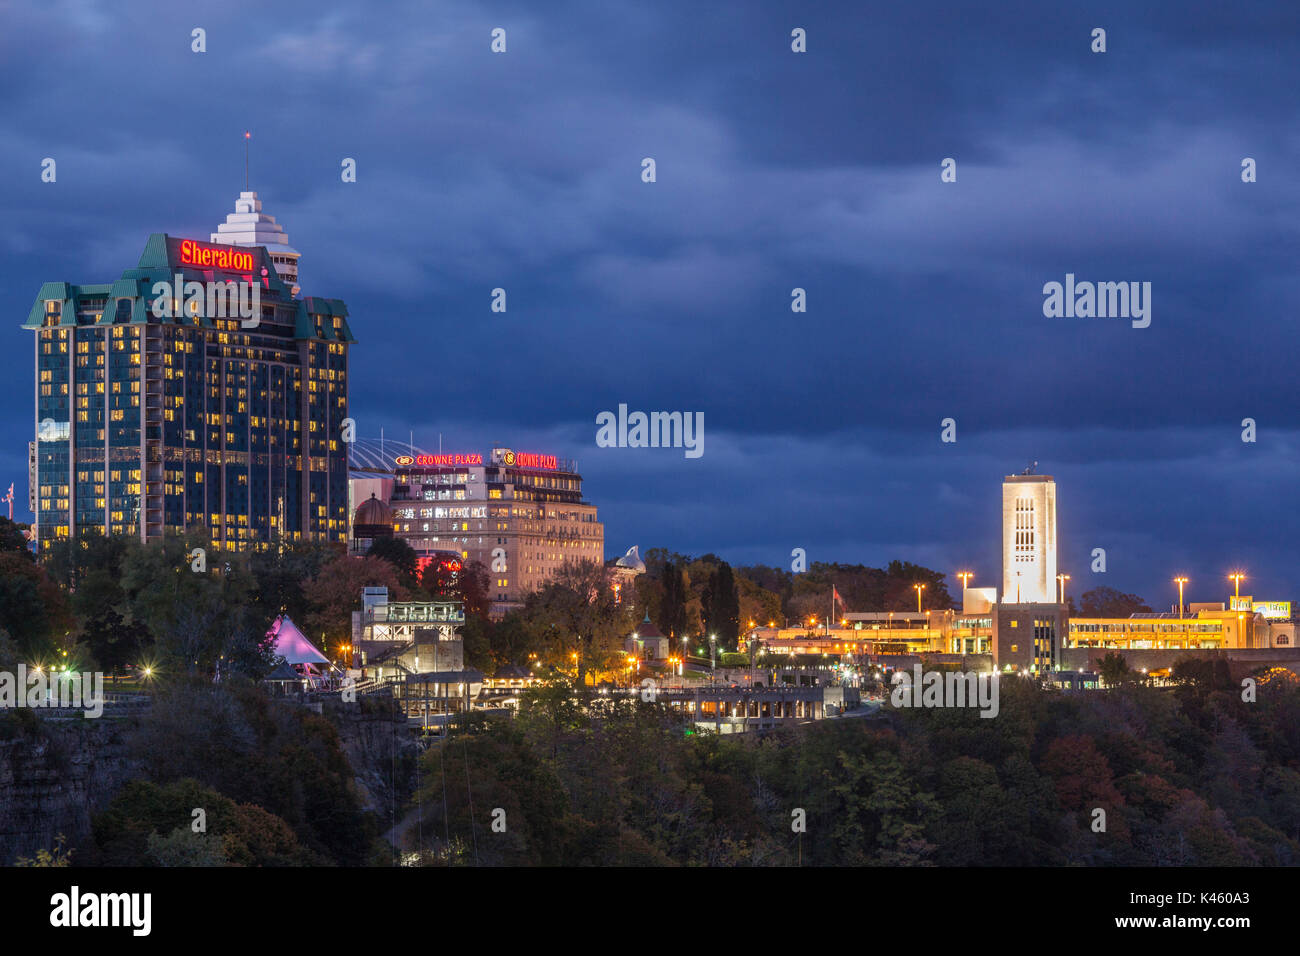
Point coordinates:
[(247, 135)]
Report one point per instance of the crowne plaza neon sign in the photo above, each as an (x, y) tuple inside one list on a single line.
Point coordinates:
[(525, 459), (510, 459), (222, 257), (449, 459)]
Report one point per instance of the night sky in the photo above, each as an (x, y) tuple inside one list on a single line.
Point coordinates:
[(775, 170)]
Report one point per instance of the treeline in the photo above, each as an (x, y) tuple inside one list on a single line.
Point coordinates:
[(182, 605), (230, 778), (1190, 777), (706, 595)]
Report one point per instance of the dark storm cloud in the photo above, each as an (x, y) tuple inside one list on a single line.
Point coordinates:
[(819, 171)]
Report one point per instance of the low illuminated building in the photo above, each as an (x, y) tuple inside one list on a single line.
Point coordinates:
[(505, 686), (433, 696), (520, 514), (647, 642), (396, 638), (1205, 628), (1028, 637)]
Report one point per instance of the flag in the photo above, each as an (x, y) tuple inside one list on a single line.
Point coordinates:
[(835, 596)]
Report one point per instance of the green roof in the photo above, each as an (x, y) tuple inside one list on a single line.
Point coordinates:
[(160, 262)]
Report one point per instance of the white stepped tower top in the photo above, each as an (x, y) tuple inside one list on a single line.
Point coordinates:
[(249, 226)]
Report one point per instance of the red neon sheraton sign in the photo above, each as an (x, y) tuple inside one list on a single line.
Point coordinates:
[(221, 257)]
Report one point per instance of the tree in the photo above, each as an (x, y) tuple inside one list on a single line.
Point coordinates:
[(10, 655), (720, 607), (1114, 669), (401, 556), (577, 607), (59, 856), (472, 589), (248, 651), (151, 824), (281, 573), (672, 614), (515, 637), (32, 608), (548, 709), (476, 636), (1107, 602), (757, 603), (190, 595), (114, 641), (335, 592), (892, 588), (440, 576), (13, 539)]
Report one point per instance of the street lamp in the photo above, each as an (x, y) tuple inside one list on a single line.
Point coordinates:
[(919, 588), (965, 578), (1180, 581), (1062, 578), (1236, 577)]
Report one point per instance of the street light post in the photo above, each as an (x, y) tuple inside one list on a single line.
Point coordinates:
[(1180, 581), (1236, 578), (1062, 578), (919, 588)]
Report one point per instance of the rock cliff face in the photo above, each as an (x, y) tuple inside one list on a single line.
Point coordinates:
[(382, 753), (54, 774)]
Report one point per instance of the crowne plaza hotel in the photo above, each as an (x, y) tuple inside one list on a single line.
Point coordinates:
[(521, 514), (147, 425)]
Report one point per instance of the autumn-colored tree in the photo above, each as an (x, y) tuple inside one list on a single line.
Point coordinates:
[(335, 592), (400, 555), (577, 610), (472, 589), (32, 608)]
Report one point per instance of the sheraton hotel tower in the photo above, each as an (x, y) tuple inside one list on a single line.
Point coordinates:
[(149, 424)]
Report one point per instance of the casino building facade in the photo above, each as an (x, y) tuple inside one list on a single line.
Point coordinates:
[(522, 515), (148, 425)]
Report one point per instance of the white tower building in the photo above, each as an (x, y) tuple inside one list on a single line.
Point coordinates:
[(249, 226), (1029, 539)]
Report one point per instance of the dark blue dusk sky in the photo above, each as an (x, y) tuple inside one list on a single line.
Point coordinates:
[(775, 170)]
